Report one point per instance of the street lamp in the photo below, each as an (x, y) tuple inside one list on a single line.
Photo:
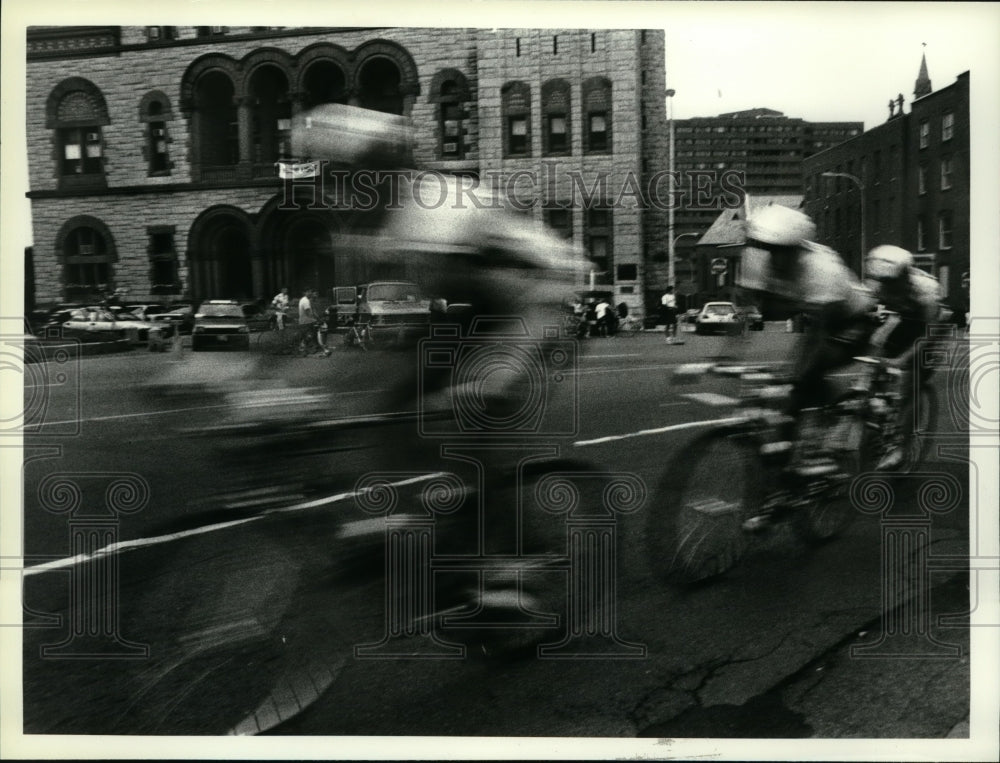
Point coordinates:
[(861, 187), (673, 244), (671, 277)]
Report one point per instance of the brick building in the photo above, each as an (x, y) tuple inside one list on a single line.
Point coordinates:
[(759, 151), (153, 150), (912, 172)]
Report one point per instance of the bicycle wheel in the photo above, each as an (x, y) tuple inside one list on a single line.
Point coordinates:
[(709, 491), (831, 511)]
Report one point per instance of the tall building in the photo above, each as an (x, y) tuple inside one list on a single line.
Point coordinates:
[(758, 151), (153, 150), (904, 182)]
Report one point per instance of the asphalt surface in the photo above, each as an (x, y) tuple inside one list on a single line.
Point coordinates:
[(245, 582)]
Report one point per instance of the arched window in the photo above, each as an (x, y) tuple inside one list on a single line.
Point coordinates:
[(324, 81), (155, 112), (597, 115), (450, 91), (272, 116), (86, 251), (218, 125), (555, 114), (379, 85), (76, 111), (516, 105)]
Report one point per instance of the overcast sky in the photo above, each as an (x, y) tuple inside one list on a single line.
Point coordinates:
[(822, 61)]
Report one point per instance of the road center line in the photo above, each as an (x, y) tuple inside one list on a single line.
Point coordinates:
[(130, 545), (658, 430)]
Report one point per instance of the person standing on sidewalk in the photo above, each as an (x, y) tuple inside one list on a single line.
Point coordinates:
[(668, 312)]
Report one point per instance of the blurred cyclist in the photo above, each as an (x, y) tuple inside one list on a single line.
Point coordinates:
[(913, 295), (780, 261)]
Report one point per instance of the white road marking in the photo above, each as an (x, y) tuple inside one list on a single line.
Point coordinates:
[(711, 398), (658, 430), (129, 545)]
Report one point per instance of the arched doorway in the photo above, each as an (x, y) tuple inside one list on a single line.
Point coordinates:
[(221, 256), (308, 247)]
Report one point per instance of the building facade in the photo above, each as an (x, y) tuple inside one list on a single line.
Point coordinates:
[(904, 182), (153, 151), (757, 152)]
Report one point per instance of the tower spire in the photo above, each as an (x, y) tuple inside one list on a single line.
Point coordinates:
[(923, 84)]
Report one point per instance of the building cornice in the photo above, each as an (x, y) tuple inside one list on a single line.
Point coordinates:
[(49, 43)]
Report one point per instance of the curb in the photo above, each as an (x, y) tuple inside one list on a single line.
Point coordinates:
[(42, 350)]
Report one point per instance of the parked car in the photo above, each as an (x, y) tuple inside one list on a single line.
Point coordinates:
[(220, 323), (393, 310), (95, 324), (718, 317), (752, 317), (180, 315), (690, 316)]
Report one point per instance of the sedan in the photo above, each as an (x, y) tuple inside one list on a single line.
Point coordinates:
[(718, 317), (92, 324), (222, 323)]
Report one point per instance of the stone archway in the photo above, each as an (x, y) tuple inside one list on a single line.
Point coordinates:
[(221, 260)]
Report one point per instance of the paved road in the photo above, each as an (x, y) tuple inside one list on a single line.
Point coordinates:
[(237, 620)]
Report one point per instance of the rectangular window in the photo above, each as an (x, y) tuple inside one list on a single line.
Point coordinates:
[(517, 47), (925, 134), (598, 131), (922, 180), (628, 272), (557, 133), (452, 146), (517, 134), (163, 276), (555, 45), (944, 231), (593, 42), (947, 126), (947, 167), (561, 221), (921, 236), (81, 151)]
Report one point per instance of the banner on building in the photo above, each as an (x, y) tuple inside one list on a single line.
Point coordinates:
[(297, 170)]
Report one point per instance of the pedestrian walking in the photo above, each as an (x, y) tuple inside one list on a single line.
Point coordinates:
[(280, 304)]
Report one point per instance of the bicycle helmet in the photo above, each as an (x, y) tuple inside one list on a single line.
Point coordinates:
[(780, 226), (887, 263), (352, 136)]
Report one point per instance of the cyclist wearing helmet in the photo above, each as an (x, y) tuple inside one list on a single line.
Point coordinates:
[(913, 295), (782, 263)]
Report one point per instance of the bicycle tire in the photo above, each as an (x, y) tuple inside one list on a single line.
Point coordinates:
[(695, 531), (827, 517)]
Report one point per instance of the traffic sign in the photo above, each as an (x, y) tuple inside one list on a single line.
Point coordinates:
[(718, 266)]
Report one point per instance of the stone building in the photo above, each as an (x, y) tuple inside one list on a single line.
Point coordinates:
[(904, 182), (153, 151)]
